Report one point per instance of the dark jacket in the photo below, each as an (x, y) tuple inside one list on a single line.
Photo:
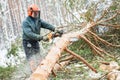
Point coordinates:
[(31, 28)]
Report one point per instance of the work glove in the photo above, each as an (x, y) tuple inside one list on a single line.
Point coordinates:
[(45, 38), (59, 32), (52, 35)]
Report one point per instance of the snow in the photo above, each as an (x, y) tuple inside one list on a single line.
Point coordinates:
[(94, 76), (12, 60), (3, 58)]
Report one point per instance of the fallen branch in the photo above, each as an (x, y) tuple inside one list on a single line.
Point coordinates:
[(110, 18), (53, 73), (81, 58), (97, 52), (59, 66), (102, 16), (106, 63), (96, 41), (68, 58), (103, 76), (93, 46), (102, 40), (111, 25)]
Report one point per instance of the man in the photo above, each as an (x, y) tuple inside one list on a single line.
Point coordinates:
[(31, 35)]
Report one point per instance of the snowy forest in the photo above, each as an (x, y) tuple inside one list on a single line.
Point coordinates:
[(89, 48)]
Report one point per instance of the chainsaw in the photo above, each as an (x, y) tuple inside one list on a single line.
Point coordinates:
[(50, 36)]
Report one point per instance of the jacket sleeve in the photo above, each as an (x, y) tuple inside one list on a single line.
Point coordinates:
[(28, 32), (47, 25)]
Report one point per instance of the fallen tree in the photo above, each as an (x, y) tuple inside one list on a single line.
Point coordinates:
[(47, 65)]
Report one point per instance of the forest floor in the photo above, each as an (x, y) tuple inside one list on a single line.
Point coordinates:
[(75, 70)]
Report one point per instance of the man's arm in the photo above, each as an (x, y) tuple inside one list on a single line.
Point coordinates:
[(47, 25), (28, 32)]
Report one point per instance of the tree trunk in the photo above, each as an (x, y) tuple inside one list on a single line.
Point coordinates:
[(44, 69)]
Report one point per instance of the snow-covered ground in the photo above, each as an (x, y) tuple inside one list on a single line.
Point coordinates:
[(12, 60)]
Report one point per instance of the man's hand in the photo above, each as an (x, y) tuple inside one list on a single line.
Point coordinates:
[(59, 32), (45, 38)]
